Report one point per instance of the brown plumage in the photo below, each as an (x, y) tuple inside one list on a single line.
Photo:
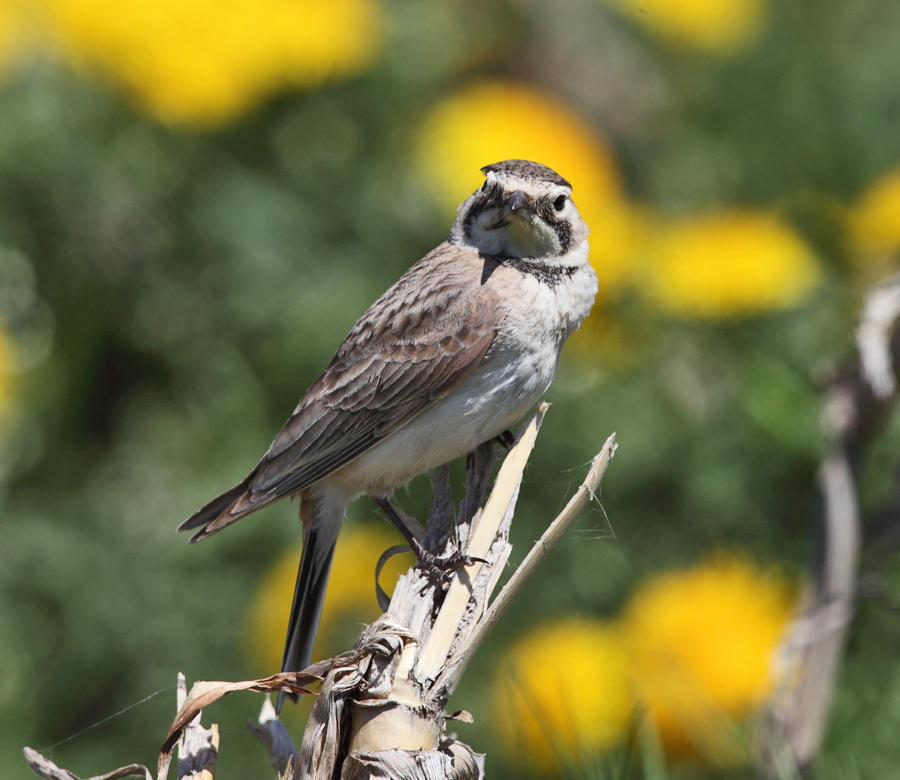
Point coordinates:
[(450, 356), (414, 345)]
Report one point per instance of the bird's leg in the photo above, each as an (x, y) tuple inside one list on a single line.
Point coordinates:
[(506, 440), (384, 504), (434, 564)]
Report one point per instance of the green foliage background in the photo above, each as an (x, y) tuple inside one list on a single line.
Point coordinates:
[(188, 285)]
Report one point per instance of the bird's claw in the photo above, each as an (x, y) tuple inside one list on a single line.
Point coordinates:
[(440, 568)]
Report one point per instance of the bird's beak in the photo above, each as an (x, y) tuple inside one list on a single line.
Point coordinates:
[(518, 201)]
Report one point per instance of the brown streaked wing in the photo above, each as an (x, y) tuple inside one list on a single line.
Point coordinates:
[(422, 339)]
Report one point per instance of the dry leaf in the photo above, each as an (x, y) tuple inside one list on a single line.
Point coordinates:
[(204, 693), (45, 768)]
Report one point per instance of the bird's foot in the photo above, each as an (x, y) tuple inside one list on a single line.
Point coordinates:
[(505, 440), (440, 568)]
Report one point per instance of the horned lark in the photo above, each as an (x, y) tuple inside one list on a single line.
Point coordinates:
[(459, 349)]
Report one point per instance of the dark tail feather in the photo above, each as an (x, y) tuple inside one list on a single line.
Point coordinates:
[(309, 593), (211, 511)]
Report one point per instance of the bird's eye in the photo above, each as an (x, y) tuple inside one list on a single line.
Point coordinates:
[(560, 203)]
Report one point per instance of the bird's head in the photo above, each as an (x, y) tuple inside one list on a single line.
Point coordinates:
[(523, 210)]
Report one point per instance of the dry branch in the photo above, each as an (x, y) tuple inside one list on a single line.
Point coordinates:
[(198, 747), (858, 400), (379, 711)]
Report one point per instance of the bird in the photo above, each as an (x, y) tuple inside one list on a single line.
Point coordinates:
[(459, 349)]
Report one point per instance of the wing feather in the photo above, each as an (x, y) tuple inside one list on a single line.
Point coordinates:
[(418, 342)]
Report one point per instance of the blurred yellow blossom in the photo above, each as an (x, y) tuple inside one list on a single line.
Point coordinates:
[(561, 693), (8, 29), (875, 219), (12, 29), (206, 61), (494, 120), (728, 264), (701, 645), (711, 25), (349, 600)]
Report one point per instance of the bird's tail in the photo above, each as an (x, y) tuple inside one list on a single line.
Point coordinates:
[(321, 525)]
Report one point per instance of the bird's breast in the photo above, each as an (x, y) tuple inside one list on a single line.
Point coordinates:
[(509, 381), (492, 400)]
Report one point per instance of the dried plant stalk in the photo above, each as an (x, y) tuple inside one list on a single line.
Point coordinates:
[(380, 712), (858, 400)]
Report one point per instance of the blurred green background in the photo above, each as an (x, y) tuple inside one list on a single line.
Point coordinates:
[(198, 199)]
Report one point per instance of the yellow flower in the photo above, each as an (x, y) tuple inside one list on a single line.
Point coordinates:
[(710, 25), (349, 600), (702, 644), (494, 120), (8, 29), (561, 694), (875, 219), (13, 29), (728, 264), (206, 61)]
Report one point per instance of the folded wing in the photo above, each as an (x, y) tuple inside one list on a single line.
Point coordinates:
[(418, 342)]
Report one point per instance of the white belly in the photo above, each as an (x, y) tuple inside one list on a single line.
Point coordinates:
[(510, 380), (485, 406)]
